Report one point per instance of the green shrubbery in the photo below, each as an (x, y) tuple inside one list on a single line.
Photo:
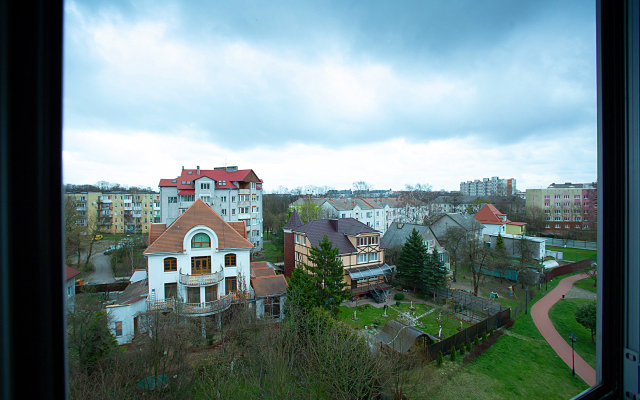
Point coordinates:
[(476, 340), (398, 296), (484, 336), (440, 359), (453, 353)]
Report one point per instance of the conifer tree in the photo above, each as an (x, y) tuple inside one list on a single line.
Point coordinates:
[(434, 275), (327, 275), (412, 260), (301, 291)]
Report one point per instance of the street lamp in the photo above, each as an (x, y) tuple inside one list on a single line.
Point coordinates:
[(573, 340)]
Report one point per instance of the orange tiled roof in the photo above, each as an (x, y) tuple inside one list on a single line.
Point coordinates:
[(489, 214), (240, 227), (198, 214)]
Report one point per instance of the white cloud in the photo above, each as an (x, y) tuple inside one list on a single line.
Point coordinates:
[(143, 158)]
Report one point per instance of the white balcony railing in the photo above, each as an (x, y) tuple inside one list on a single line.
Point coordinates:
[(198, 309), (201, 280)]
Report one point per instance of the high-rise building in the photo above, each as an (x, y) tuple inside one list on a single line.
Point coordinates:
[(235, 195), (493, 186)]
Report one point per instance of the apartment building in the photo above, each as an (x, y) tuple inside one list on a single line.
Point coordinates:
[(117, 211), (235, 195), (567, 206), (493, 186), (359, 245)]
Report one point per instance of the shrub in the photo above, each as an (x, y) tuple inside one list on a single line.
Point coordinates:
[(484, 336), (469, 346), (492, 330), (440, 359), (479, 349), (476, 341), (398, 303), (398, 296), (463, 349), (453, 353)]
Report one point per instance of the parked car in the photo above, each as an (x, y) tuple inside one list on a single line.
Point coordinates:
[(98, 237), (79, 282)]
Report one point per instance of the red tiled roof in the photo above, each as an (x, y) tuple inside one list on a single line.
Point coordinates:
[(198, 214), (240, 227), (262, 272), (489, 214), (70, 272), (242, 175), (187, 191), (156, 230), (517, 223)]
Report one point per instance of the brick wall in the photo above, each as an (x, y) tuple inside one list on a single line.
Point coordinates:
[(289, 254)]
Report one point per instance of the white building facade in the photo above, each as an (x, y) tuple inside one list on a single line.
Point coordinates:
[(235, 195)]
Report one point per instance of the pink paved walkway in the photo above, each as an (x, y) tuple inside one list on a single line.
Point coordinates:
[(540, 315)]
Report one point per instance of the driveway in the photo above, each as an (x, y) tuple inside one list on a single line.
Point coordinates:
[(103, 271)]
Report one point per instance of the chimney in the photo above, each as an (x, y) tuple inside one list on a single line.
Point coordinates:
[(198, 170), (183, 167)]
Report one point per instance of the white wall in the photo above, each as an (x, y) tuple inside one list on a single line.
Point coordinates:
[(125, 314)]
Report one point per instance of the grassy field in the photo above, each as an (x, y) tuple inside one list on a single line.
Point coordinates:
[(366, 316), (514, 367), (270, 253), (587, 284), (574, 254), (563, 318)]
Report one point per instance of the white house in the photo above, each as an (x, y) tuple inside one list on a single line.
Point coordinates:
[(70, 285), (199, 264)]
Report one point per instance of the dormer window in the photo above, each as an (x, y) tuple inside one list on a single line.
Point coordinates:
[(200, 240), (190, 172)]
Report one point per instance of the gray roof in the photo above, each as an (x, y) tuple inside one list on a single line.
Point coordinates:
[(349, 204), (336, 230), (397, 233), (134, 292), (464, 221), (294, 221), (368, 272), (400, 337)]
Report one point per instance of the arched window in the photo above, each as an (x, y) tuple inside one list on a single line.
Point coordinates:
[(170, 264), (200, 240), (230, 260)]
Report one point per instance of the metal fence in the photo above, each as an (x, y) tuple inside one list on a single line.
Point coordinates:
[(468, 306), (575, 244)]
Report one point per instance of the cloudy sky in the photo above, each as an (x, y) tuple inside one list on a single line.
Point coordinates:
[(331, 92)]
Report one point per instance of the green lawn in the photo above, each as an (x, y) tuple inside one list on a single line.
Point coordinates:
[(587, 284), (574, 254), (563, 318), (366, 315), (513, 368), (271, 253)]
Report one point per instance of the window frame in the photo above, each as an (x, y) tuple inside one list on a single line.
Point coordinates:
[(200, 244), (230, 260), (171, 268)]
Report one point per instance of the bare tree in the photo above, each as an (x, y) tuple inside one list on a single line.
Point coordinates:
[(453, 241), (361, 189), (475, 255), (535, 219)]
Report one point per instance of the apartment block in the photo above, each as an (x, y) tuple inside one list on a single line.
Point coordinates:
[(567, 206), (235, 195), (493, 186), (117, 211)]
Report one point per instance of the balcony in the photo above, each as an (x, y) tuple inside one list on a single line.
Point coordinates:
[(128, 207), (104, 200), (201, 280), (244, 204), (245, 216), (199, 309)]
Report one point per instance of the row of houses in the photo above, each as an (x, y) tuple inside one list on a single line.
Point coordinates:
[(380, 213)]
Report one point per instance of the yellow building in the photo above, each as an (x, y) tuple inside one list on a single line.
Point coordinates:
[(117, 211)]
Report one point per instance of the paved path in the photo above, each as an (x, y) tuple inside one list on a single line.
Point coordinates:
[(540, 315)]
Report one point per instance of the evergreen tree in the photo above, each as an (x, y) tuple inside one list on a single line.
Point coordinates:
[(434, 274), (500, 243), (327, 274), (412, 260), (301, 291)]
